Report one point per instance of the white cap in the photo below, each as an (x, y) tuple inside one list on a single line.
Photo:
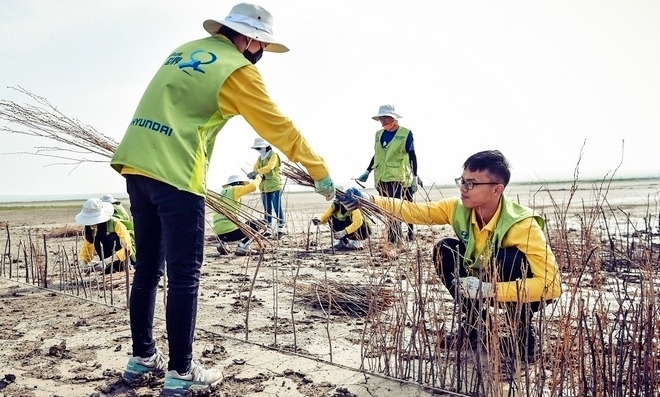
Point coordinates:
[(387, 110), (234, 179), (109, 198), (252, 21), (260, 143), (94, 211)]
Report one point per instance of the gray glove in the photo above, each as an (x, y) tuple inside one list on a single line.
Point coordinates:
[(473, 288), (316, 221), (340, 234), (252, 174)]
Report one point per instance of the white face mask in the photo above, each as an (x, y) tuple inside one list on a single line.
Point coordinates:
[(264, 152)]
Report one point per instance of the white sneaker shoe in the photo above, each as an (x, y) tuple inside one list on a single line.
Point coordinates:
[(355, 244), (196, 379), (244, 250), (139, 366)]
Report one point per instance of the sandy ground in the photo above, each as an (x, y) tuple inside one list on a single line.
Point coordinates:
[(55, 344)]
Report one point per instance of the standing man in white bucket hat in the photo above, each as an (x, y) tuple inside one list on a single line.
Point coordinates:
[(164, 157), (393, 162)]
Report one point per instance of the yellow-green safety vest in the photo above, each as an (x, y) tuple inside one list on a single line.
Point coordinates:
[(272, 181), (510, 214), (391, 164), (172, 133)]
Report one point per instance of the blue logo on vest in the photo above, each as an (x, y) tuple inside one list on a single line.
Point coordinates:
[(195, 63), (465, 235)]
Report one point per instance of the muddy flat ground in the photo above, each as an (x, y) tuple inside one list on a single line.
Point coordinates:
[(55, 344)]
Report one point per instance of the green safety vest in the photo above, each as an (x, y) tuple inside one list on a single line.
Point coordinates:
[(392, 164), (221, 224), (341, 213), (272, 181), (173, 131), (112, 222), (120, 212), (510, 214)]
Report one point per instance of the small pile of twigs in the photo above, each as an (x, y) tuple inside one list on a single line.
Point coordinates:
[(345, 296), (44, 120), (300, 177)]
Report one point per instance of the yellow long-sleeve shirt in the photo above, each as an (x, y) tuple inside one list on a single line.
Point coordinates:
[(244, 93), (356, 219), (527, 236), (87, 250), (272, 163), (241, 191)]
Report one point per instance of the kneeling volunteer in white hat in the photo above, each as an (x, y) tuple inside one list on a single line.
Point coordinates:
[(226, 230), (165, 155), (105, 236)]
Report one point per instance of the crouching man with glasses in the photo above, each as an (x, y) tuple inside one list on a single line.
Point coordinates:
[(499, 258)]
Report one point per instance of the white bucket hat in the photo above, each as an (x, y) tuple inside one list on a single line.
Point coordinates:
[(387, 110), (94, 211), (252, 21), (234, 179), (109, 198), (260, 143)]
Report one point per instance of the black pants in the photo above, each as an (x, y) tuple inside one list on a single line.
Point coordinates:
[(511, 264), (238, 234), (109, 246), (363, 232), (395, 190)]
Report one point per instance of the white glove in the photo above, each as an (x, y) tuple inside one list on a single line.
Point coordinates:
[(340, 234), (82, 263), (473, 288)]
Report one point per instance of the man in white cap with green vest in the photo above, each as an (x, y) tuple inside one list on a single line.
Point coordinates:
[(393, 162), (165, 155)]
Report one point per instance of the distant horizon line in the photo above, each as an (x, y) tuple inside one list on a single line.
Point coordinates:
[(23, 198)]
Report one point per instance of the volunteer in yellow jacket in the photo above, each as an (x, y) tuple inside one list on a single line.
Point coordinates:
[(227, 231), (393, 161), (104, 236), (500, 254), (164, 156), (268, 166), (350, 228)]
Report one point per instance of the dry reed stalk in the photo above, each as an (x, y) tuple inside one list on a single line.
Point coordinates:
[(45, 263), (127, 282), (44, 120), (249, 299)]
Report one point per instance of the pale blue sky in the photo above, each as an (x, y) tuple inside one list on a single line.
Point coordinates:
[(533, 79)]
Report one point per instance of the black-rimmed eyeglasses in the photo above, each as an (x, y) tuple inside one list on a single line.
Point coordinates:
[(469, 185)]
